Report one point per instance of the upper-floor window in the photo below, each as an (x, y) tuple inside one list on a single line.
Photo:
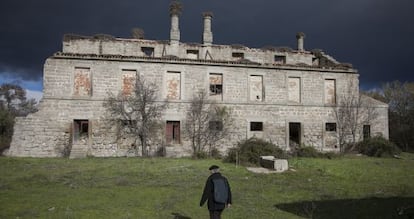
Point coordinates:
[(173, 82), (294, 89), (278, 59), (129, 79), (256, 88), (237, 55), (192, 54), (148, 51), (216, 85), (330, 91), (82, 82)]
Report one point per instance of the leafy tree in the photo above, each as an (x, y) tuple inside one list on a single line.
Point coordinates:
[(13, 102), (400, 99), (136, 114), (206, 124)]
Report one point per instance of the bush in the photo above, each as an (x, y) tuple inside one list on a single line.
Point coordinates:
[(378, 147), (250, 150), (307, 151)]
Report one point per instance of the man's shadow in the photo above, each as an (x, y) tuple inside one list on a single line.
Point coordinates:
[(180, 216)]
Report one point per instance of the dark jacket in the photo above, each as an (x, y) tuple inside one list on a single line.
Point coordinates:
[(208, 193)]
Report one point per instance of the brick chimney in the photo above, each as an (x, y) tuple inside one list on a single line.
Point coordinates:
[(175, 11), (300, 36), (207, 34)]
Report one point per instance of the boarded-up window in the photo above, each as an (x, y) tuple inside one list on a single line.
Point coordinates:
[(82, 82), (216, 85), (172, 132), (129, 79), (173, 85), (294, 90), (330, 91), (256, 88), (192, 54)]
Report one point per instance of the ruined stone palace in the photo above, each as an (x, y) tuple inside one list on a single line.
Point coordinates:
[(282, 95)]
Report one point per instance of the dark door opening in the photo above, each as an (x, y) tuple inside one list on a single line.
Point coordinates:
[(80, 130), (294, 133), (366, 131)]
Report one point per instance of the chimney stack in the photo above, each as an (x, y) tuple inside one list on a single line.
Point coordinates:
[(300, 36), (207, 34), (175, 11)]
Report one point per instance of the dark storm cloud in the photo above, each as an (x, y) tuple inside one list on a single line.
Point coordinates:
[(374, 35)]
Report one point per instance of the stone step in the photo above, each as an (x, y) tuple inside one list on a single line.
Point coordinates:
[(78, 151)]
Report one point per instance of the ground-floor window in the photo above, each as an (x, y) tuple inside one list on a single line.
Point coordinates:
[(172, 132), (256, 126)]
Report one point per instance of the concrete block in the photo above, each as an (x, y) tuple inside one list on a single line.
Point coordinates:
[(270, 162)]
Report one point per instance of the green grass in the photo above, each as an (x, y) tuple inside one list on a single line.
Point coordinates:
[(161, 187)]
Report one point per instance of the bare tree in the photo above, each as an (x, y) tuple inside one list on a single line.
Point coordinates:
[(351, 112), (136, 114), (206, 123)]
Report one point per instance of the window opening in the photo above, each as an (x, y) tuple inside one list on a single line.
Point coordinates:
[(256, 126), (237, 55), (330, 127), (148, 51), (278, 59), (192, 54)]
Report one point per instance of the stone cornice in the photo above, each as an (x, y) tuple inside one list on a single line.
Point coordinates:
[(176, 60)]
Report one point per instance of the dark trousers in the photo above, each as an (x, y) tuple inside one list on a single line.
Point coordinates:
[(215, 214)]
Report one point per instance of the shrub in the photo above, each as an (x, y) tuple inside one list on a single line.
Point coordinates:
[(308, 151), (250, 150), (378, 147)]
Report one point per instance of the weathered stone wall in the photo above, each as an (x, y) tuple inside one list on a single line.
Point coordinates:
[(77, 81), (133, 47)]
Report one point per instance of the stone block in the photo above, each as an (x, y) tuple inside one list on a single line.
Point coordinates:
[(270, 162)]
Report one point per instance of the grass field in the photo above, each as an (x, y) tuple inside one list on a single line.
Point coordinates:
[(347, 187)]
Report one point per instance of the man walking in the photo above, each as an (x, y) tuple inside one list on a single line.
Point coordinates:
[(218, 193)]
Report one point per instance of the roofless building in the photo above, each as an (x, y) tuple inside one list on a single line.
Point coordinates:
[(286, 96)]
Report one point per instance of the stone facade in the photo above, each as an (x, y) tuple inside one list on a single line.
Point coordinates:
[(278, 94)]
